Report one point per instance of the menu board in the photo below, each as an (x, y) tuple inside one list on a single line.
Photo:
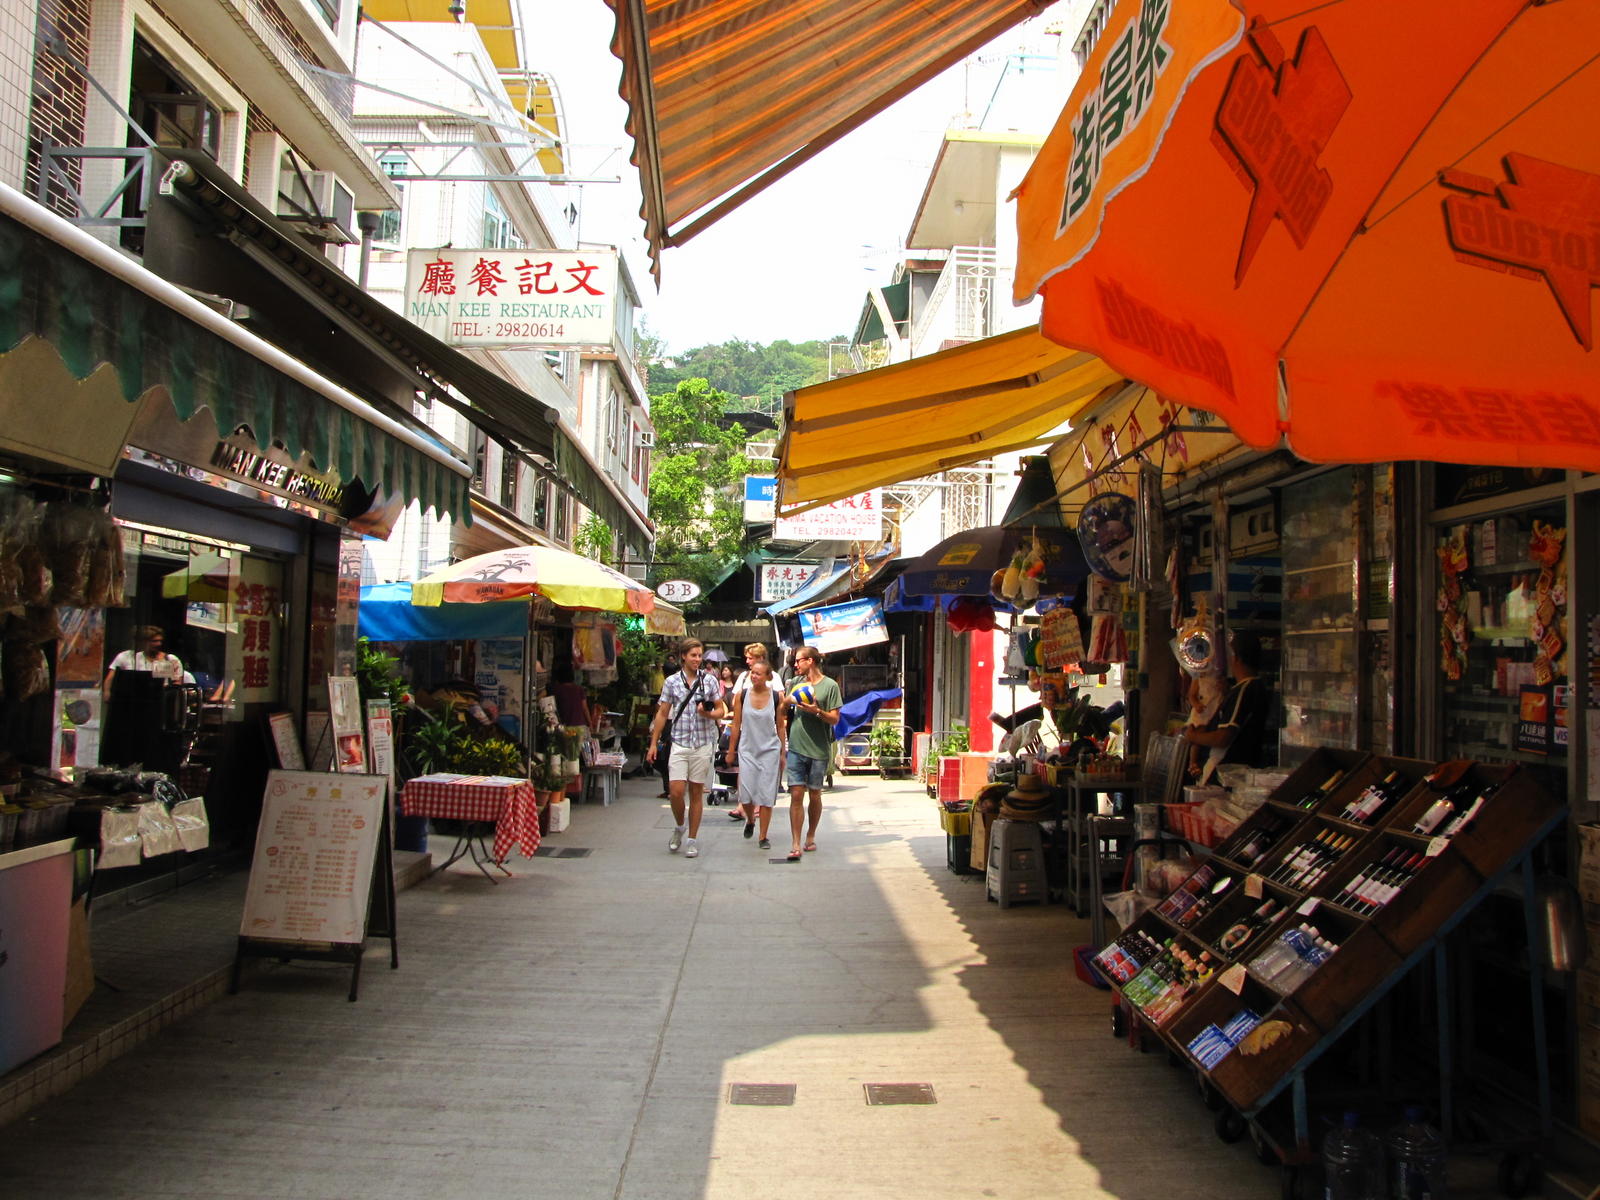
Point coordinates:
[(311, 879)]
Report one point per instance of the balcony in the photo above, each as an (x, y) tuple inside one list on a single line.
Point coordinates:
[(962, 306)]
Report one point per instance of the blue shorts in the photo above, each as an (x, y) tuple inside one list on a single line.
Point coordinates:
[(800, 771)]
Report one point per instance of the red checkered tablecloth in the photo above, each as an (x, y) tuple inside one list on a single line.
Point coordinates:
[(510, 803)]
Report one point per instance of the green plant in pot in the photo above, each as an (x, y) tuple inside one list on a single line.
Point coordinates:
[(432, 742), (888, 743)]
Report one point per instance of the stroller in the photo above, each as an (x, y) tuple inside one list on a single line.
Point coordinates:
[(726, 785)]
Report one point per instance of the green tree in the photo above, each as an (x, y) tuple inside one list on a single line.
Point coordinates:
[(594, 539), (747, 370), (696, 483)]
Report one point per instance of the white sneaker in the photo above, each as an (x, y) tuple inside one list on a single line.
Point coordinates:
[(692, 849), (675, 840)]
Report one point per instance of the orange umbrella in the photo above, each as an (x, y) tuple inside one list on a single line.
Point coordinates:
[(1394, 205)]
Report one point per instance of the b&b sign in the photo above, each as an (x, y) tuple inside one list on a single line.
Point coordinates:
[(678, 591)]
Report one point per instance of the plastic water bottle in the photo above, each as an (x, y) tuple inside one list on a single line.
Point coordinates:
[(1352, 1162), (1416, 1160)]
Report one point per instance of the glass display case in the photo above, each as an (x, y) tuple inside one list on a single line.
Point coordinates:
[(1319, 619), (1504, 696)]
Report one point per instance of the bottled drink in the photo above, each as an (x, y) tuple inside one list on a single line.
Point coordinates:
[(1352, 1162), (1240, 934), (1459, 821), (1416, 1160), (1316, 796), (1375, 798)]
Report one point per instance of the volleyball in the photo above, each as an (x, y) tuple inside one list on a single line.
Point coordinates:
[(802, 693)]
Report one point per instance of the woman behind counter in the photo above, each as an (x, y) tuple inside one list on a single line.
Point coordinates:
[(149, 655)]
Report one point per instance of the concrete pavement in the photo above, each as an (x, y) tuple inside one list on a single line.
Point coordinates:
[(573, 1033)]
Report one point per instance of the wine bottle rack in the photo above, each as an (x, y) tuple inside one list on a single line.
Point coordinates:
[(1373, 946)]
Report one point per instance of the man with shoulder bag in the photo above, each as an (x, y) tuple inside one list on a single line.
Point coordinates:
[(686, 719)]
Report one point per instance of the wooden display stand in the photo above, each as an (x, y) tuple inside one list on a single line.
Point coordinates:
[(1375, 949)]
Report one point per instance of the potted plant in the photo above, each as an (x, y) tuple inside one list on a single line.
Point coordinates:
[(888, 744)]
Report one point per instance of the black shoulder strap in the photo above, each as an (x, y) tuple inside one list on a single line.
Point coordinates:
[(698, 680)]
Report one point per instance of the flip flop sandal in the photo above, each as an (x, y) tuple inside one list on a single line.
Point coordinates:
[(794, 856), (811, 846)]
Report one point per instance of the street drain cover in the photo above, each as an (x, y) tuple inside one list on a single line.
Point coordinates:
[(771, 1095), (562, 852), (900, 1093)]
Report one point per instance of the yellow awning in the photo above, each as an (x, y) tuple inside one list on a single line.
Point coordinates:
[(931, 414), (726, 96)]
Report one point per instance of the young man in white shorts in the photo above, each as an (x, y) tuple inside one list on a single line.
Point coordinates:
[(691, 703)]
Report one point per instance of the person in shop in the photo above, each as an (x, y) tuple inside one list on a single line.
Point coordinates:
[(572, 698), (816, 700), (149, 655), (690, 707), (1239, 726), (758, 742)]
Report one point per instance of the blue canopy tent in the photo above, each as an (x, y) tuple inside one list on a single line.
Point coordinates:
[(963, 564), (387, 615), (855, 713)]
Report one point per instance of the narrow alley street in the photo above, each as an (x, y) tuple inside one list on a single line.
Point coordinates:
[(574, 1031)]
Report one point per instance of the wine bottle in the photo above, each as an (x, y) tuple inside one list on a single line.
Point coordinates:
[(1374, 798), (1462, 819), (1239, 934), (1316, 796)]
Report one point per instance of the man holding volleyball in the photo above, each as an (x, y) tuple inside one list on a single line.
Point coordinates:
[(815, 701)]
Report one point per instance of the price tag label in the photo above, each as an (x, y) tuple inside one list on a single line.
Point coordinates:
[(1308, 906), (1233, 978), (1255, 886), (1436, 846)]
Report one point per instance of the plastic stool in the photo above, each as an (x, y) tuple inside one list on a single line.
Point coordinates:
[(600, 784), (1016, 863)]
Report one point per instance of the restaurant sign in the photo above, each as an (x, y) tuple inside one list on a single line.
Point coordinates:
[(513, 298)]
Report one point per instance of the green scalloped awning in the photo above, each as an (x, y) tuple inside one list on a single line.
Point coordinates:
[(92, 318)]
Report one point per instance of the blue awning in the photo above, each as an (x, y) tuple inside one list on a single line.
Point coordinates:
[(387, 615)]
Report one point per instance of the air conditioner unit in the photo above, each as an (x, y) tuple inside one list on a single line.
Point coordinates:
[(316, 198), (646, 438)]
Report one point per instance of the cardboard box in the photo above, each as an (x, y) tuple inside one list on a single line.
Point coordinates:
[(1587, 1077), (1589, 866), (80, 968)]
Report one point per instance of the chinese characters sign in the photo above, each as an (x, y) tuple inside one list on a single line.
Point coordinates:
[(315, 849), (511, 298), (857, 518), (779, 581)]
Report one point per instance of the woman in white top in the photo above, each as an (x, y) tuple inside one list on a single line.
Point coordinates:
[(758, 742), (150, 655)]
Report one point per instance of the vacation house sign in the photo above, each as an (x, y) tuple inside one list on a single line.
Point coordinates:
[(513, 298)]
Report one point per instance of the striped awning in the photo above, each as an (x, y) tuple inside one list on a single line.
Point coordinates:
[(726, 96), (1002, 394), (95, 309)]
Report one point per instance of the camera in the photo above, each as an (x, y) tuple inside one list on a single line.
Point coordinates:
[(708, 706)]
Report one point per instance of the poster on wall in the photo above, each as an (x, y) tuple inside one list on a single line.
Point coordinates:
[(311, 878), (844, 626), (1535, 721), (286, 741), (344, 713), (380, 739), (501, 663)]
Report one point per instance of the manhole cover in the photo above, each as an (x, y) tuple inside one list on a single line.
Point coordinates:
[(562, 852), (772, 1095), (900, 1093)]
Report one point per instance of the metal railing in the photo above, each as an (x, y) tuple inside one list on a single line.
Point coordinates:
[(961, 306)]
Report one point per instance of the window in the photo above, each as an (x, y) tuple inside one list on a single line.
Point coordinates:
[(563, 516), (541, 503), (329, 12), (613, 419), (497, 231), (480, 463), (389, 223), (557, 362), (635, 456), (509, 469)]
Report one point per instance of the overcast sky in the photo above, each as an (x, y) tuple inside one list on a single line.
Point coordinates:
[(795, 262)]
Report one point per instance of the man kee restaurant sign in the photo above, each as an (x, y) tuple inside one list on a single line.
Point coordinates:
[(513, 298)]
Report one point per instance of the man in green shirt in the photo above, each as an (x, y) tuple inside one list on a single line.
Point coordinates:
[(816, 700)]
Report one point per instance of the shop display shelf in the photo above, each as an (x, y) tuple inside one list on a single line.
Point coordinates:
[(1513, 814), (1339, 984), (1311, 774), (1249, 1072), (1434, 895)]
